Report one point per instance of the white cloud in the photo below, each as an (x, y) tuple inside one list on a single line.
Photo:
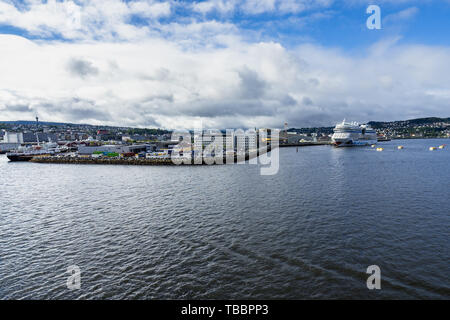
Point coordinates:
[(156, 82), (258, 6), (401, 16), (150, 9), (86, 19), (221, 6), (255, 7)]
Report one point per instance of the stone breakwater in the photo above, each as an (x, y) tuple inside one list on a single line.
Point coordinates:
[(117, 161), (144, 161), (305, 144)]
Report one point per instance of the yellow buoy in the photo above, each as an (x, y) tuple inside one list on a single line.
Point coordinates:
[(432, 148), (400, 147), (380, 149)]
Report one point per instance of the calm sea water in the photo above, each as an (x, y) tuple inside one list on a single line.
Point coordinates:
[(226, 232)]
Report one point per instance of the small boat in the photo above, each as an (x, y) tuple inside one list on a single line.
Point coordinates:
[(433, 148), (28, 153)]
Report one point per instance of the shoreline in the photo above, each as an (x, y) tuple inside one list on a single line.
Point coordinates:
[(306, 144)]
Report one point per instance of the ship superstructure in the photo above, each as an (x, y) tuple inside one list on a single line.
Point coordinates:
[(348, 134)]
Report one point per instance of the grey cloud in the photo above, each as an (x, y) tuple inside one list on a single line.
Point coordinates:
[(205, 108), (314, 82), (75, 109), (307, 101), (159, 75), (287, 100), (18, 108), (252, 86), (81, 68), (142, 119), (234, 108), (165, 97), (88, 114)]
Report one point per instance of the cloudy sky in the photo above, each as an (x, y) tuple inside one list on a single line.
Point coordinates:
[(223, 63)]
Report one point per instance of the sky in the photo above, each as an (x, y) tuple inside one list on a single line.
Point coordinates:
[(181, 64)]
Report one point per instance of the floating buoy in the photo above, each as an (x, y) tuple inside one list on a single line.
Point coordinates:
[(432, 148), (380, 149), (400, 147)]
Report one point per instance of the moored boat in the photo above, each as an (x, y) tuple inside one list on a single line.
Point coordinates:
[(349, 134), (28, 153)]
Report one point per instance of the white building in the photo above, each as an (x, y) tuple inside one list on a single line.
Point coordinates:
[(246, 140), (13, 137), (227, 140)]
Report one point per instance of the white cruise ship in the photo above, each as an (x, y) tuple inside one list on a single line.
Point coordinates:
[(348, 134)]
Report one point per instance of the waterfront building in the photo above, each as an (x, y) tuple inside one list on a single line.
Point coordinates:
[(28, 137), (137, 148), (226, 139), (13, 137), (246, 140)]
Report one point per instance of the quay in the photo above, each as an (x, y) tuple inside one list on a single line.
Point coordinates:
[(111, 161), (305, 144)]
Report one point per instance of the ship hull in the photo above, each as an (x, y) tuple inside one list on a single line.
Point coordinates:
[(353, 143), (19, 158)]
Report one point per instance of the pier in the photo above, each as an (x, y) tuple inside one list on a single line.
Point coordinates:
[(306, 144)]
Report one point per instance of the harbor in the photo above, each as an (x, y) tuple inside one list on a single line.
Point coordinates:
[(148, 161)]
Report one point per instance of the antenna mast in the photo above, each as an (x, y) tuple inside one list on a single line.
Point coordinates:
[(37, 129)]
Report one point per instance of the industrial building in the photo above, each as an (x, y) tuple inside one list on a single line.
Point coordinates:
[(28, 137), (120, 149)]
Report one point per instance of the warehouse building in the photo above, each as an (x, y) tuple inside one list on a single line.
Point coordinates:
[(120, 149)]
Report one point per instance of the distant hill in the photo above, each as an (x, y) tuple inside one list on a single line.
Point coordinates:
[(378, 125), (373, 124), (308, 131), (408, 123), (30, 123)]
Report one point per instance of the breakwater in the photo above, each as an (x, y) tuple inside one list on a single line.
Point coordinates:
[(305, 144), (111, 161)]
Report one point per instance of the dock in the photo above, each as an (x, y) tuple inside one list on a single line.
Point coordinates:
[(306, 144)]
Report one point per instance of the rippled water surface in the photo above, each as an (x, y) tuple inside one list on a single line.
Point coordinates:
[(226, 232)]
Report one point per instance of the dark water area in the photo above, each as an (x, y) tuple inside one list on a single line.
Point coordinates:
[(226, 232)]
